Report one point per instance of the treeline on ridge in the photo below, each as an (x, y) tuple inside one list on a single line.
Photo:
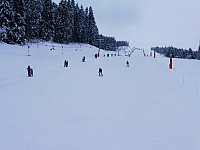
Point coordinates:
[(177, 52)]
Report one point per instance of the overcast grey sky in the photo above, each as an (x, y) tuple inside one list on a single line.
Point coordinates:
[(146, 23)]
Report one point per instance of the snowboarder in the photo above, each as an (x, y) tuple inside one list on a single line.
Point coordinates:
[(100, 72), (127, 63)]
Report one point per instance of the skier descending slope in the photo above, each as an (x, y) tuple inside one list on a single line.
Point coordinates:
[(30, 71), (83, 59), (127, 64), (100, 72), (65, 63)]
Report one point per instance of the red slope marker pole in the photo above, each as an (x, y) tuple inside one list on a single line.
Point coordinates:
[(170, 62)]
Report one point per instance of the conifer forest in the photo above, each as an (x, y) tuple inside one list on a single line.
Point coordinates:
[(25, 21)]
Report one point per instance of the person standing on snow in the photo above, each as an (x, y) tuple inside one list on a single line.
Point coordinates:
[(65, 62), (83, 59), (127, 64), (31, 72), (28, 69), (100, 72)]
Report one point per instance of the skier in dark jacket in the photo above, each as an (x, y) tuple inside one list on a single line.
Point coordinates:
[(100, 72), (31, 72), (127, 64), (28, 69), (83, 59), (65, 63)]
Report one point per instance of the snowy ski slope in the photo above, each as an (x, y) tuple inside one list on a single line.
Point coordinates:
[(142, 107)]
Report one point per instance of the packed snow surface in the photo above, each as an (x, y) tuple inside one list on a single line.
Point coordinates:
[(142, 107)]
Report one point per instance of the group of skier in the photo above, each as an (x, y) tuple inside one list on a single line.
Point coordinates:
[(66, 64)]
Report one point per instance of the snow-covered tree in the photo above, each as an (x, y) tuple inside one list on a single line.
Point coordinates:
[(12, 21), (198, 53), (32, 19), (77, 31), (86, 23), (46, 23), (82, 27), (61, 25), (19, 19), (7, 23), (92, 30), (70, 30)]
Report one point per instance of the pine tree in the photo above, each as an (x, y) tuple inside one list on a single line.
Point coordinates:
[(77, 24), (55, 14), (12, 20), (190, 53), (92, 30), (19, 18), (86, 22), (62, 23), (198, 53), (82, 27), (32, 19), (47, 24), (73, 22), (7, 22), (70, 20)]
